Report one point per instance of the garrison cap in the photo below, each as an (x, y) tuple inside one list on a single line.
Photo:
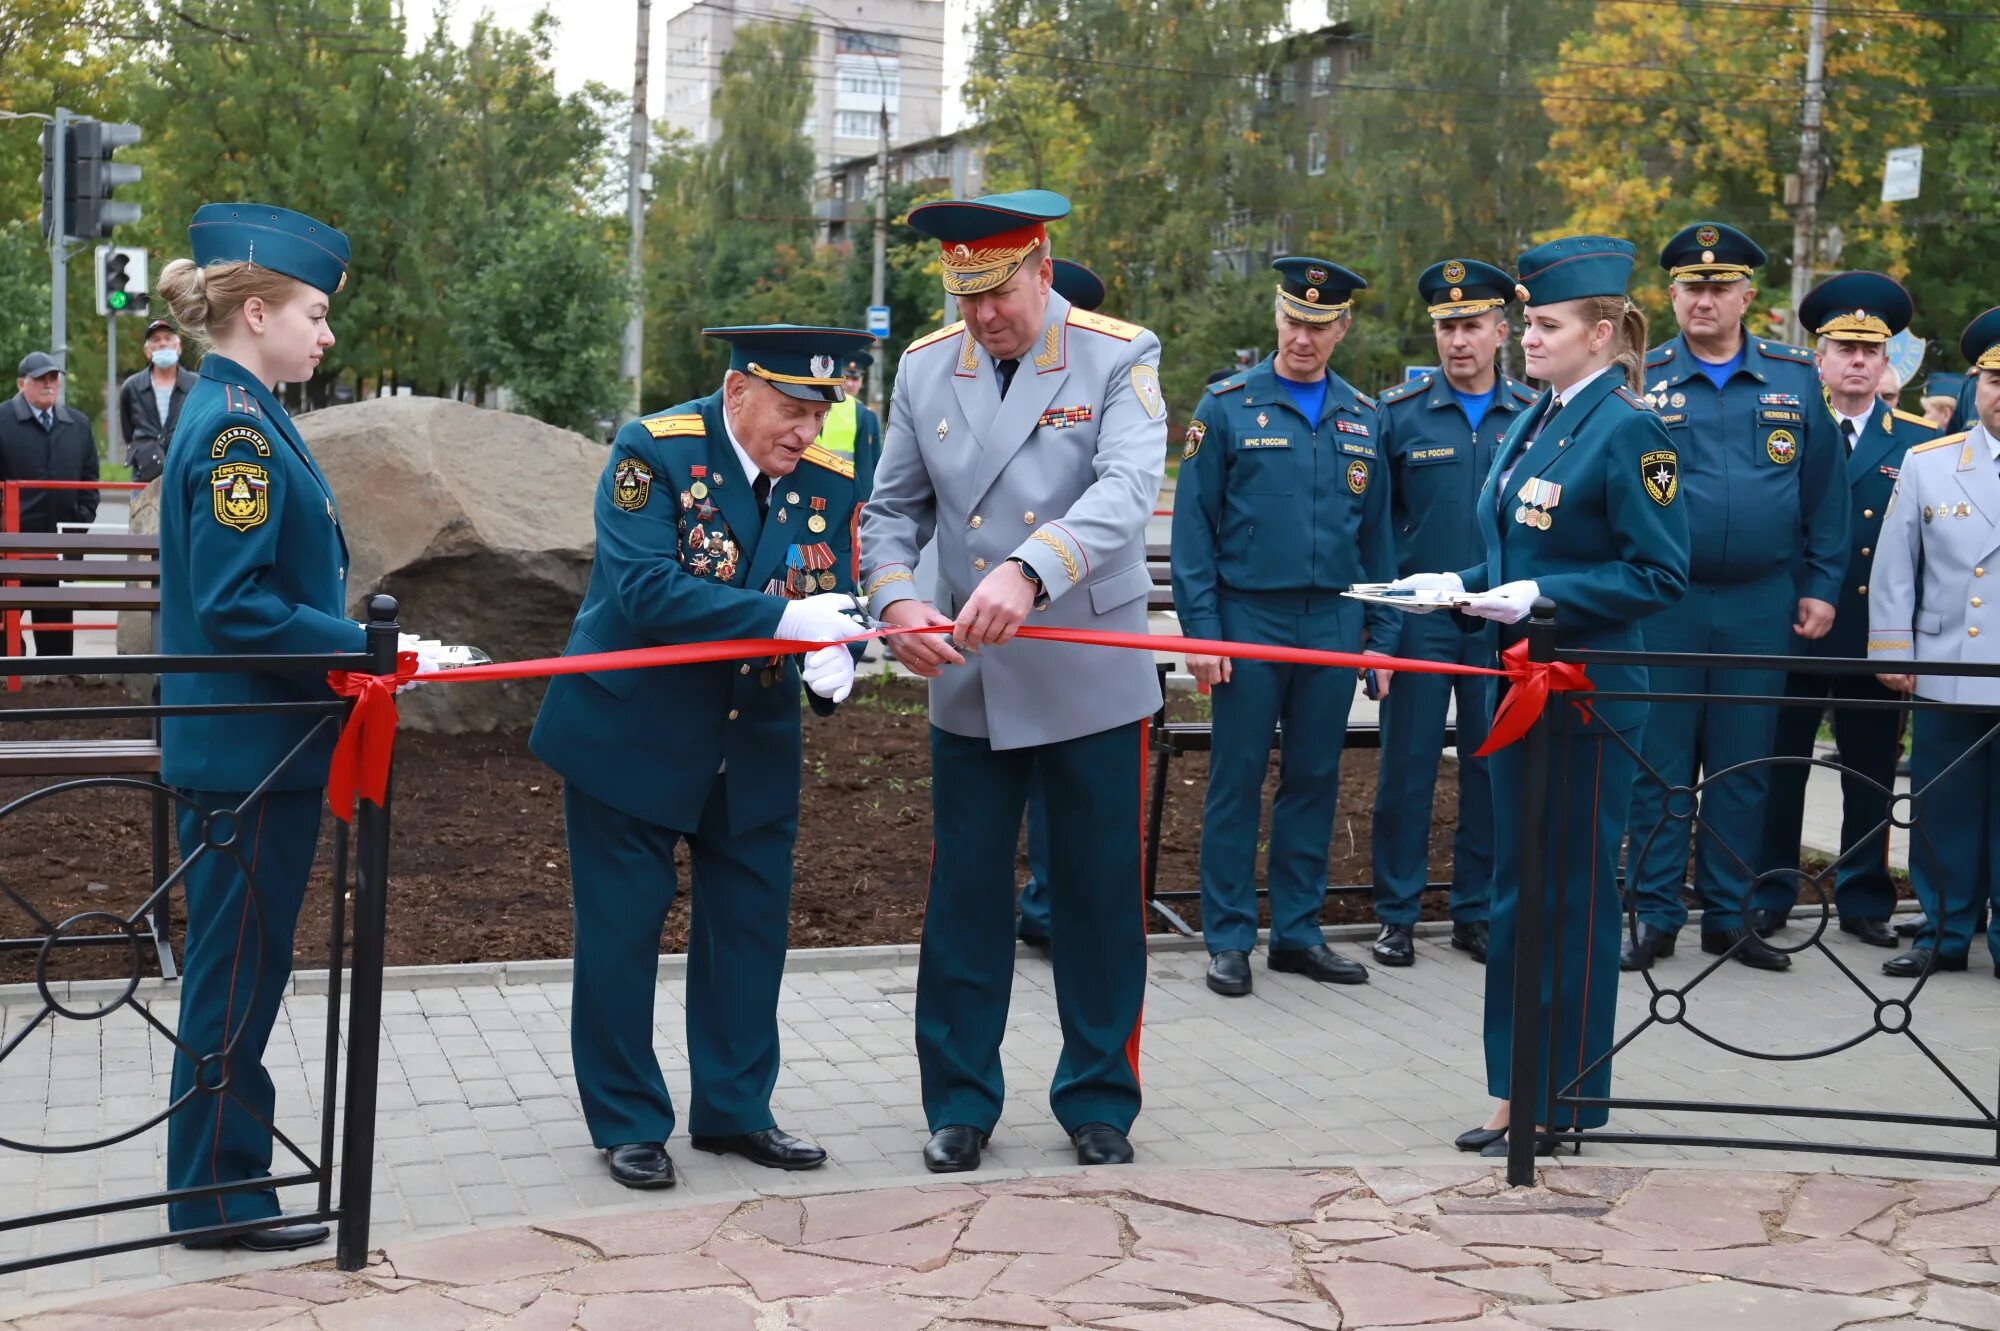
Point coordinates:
[(274, 238), (1980, 342), (1457, 288), (796, 359), (982, 242), (1573, 268), (1856, 307), (1078, 285), (1944, 383), (1316, 291), (1711, 252)]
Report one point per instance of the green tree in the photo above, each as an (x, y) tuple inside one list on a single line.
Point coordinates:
[(24, 292)]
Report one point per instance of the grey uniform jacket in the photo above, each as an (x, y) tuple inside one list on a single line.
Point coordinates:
[(1063, 474), (1934, 589)]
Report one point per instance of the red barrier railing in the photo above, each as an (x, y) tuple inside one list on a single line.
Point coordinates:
[(10, 523)]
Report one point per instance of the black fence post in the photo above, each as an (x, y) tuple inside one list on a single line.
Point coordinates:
[(1530, 925), (364, 1032)]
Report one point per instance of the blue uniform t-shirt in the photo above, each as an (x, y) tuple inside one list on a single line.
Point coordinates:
[(1475, 405), (1310, 398), (1718, 372)]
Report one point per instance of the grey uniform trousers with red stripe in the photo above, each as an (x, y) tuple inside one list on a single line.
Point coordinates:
[(238, 960), (965, 971)]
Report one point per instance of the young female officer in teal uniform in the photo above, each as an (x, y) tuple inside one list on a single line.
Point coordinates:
[(252, 561), (1579, 507)]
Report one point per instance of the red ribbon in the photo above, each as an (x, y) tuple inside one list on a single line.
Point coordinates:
[(362, 755)]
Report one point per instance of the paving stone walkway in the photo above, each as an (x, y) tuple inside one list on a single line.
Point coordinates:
[(1134, 1249)]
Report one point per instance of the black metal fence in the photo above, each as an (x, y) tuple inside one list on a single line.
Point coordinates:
[(1537, 989), (360, 869)]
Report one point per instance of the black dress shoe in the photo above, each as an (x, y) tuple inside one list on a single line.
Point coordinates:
[(1229, 973), (1478, 1139), (1394, 946), (1751, 950), (1318, 963), (641, 1165), (1645, 947), (1913, 926), (1920, 959), (283, 1238), (1101, 1144), (1544, 1146), (953, 1149), (1764, 923), (1038, 942), (1875, 933), (1472, 937), (773, 1148)]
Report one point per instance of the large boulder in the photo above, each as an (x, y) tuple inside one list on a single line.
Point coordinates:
[(479, 524)]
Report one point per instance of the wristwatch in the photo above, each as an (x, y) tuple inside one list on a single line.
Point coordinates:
[(1028, 572)]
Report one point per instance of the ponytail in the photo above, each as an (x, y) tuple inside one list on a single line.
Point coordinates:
[(1628, 333)]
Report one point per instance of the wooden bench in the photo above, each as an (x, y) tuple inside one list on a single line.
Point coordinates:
[(32, 577)]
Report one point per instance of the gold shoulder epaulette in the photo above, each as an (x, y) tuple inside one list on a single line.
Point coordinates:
[(676, 426), (1911, 418), (1103, 323), (822, 457), (1949, 441), (929, 339)]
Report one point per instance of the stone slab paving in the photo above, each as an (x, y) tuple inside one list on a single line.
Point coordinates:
[(479, 1124), (1593, 1247)]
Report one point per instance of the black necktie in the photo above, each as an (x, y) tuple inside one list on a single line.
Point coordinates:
[(1007, 368), (47, 421), (1847, 430), (761, 487)]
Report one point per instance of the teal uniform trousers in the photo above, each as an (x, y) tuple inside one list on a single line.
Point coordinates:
[(1954, 869)]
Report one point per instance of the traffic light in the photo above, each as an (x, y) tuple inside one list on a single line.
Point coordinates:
[(93, 177), (121, 280)]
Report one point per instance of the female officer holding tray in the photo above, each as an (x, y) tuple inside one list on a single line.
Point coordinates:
[(252, 561), (1580, 508)]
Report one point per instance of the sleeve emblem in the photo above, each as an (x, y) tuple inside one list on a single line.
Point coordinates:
[(631, 485), (1197, 430), (242, 493), (1146, 387), (1661, 471), (240, 434)]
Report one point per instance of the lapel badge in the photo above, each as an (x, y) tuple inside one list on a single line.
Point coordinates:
[(1964, 510), (791, 496), (944, 428), (1262, 419), (784, 515)]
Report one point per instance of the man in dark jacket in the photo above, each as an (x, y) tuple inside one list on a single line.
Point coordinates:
[(43, 440), (149, 401)]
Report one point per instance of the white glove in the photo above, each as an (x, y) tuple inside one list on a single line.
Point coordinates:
[(826, 617), (430, 654), (829, 672), (1508, 603), (1447, 583)]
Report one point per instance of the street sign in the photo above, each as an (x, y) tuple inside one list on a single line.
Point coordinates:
[(878, 321), (1902, 174)]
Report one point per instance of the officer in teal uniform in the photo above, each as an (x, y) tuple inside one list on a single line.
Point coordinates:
[(1085, 290), (1853, 316), (1766, 503), (252, 562), (1282, 504), (718, 518), (1929, 590), (1582, 506), (1437, 433)]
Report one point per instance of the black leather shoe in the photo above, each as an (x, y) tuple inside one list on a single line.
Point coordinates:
[(1037, 942), (773, 1148), (1544, 1146), (641, 1165), (953, 1149), (1229, 973), (1875, 933), (1914, 926), (1764, 923), (1472, 938), (1318, 963), (1751, 950), (1394, 946), (1646, 947), (1101, 1144), (284, 1238), (1478, 1139), (1920, 959)]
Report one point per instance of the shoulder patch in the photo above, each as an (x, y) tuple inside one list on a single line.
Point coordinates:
[(827, 458), (1103, 323), (242, 494), (931, 339), (1783, 351), (239, 434), (1229, 385), (678, 425), (1949, 441)]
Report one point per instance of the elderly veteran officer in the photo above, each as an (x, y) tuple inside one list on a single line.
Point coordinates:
[(1282, 504), (1766, 505), (719, 518), (1928, 596), (1031, 441), (1853, 315), (1437, 434), (1582, 506)]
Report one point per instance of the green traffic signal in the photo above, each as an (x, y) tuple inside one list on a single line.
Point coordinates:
[(117, 300)]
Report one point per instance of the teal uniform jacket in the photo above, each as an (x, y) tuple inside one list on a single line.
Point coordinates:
[(252, 561), (1437, 465), (1762, 461), (1868, 740), (702, 754), (1613, 551), (1274, 517)]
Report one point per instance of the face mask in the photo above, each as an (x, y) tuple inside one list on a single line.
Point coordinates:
[(166, 358)]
